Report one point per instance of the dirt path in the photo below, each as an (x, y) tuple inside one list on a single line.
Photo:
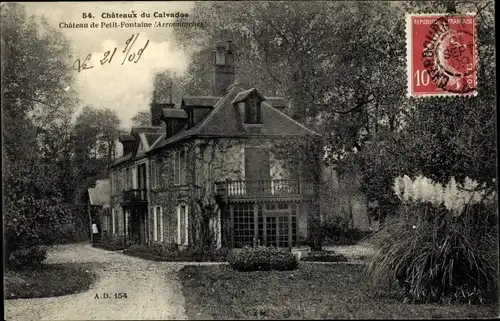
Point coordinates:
[(152, 288)]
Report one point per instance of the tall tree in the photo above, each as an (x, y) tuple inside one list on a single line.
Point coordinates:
[(37, 102), (342, 67), (443, 137), (335, 62)]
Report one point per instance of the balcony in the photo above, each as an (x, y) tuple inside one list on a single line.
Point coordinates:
[(179, 192), (135, 196), (280, 189)]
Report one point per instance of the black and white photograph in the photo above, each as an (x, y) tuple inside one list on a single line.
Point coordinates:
[(202, 160)]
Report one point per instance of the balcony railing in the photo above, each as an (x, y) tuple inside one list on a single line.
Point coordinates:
[(265, 188), (135, 195)]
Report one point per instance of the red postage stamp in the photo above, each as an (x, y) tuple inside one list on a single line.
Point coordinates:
[(441, 55)]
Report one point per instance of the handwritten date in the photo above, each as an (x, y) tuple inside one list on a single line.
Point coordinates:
[(127, 53)]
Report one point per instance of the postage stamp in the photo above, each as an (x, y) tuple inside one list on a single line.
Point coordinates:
[(441, 55)]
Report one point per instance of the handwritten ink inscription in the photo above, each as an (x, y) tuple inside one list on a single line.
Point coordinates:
[(128, 55)]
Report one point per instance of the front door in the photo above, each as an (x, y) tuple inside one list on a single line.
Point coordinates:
[(280, 228), (137, 224), (257, 171)]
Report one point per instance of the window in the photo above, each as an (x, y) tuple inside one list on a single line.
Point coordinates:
[(113, 221), (243, 228), (155, 224), (182, 225), (159, 210), (153, 174), (127, 220), (252, 111), (156, 173), (274, 224), (179, 167), (158, 224)]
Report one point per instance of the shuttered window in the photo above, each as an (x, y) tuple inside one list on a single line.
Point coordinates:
[(252, 111), (179, 167)]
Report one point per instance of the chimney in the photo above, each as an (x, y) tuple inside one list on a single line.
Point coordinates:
[(223, 68), (156, 107)]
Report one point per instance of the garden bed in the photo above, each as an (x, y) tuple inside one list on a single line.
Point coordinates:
[(176, 255), (310, 292), (47, 280)]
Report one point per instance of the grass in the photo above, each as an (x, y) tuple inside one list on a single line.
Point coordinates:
[(311, 292), (325, 256), (48, 280)]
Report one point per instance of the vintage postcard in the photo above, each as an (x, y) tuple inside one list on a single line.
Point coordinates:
[(249, 160)]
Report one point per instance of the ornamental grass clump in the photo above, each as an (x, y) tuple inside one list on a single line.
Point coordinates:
[(443, 245)]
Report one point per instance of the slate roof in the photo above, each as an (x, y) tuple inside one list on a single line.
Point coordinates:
[(100, 194), (173, 113), (200, 101), (152, 137), (244, 94), (122, 159), (276, 102), (126, 138), (225, 121), (144, 129)]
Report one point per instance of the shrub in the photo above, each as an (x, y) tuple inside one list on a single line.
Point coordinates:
[(28, 257), (262, 259), (112, 244), (325, 256), (336, 231), (438, 252), (199, 254), (139, 248)]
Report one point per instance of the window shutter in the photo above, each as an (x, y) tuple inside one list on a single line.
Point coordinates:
[(176, 167), (182, 167)]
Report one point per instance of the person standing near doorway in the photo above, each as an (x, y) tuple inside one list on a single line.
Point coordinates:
[(95, 233)]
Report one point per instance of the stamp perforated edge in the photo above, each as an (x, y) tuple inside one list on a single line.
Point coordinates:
[(409, 93)]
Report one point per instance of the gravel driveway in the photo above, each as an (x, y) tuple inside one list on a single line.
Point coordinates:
[(152, 288)]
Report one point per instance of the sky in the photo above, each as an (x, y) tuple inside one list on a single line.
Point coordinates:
[(125, 88)]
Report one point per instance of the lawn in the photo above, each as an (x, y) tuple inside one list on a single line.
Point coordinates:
[(313, 291), (48, 280)]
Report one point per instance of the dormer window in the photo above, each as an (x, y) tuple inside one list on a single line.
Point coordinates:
[(252, 111)]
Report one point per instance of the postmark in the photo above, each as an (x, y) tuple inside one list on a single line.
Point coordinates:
[(441, 55)]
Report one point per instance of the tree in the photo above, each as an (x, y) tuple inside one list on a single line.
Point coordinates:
[(142, 118), (95, 134), (338, 70), (169, 87), (442, 138), (211, 165), (37, 102), (342, 67)]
